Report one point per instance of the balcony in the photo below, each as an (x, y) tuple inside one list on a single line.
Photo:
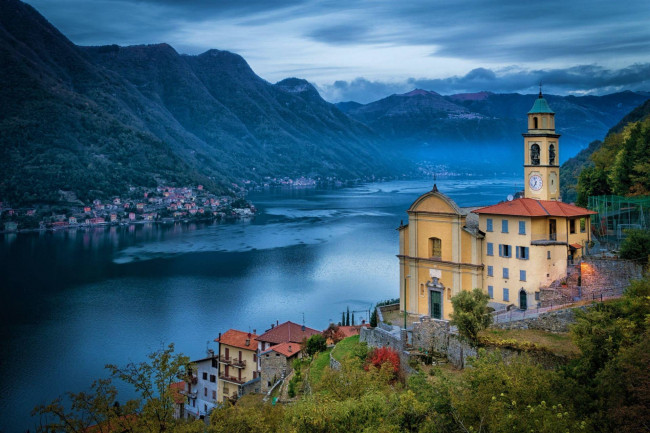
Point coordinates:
[(231, 379), (235, 362), (546, 239), (190, 394)]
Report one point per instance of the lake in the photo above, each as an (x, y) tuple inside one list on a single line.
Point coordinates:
[(73, 301)]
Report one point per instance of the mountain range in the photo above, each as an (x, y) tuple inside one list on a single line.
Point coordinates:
[(430, 125), (91, 122)]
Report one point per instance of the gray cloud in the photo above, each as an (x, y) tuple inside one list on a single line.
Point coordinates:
[(590, 79)]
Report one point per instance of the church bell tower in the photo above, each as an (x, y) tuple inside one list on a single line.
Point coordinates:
[(541, 153)]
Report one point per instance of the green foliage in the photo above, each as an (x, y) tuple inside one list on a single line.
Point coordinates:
[(636, 245), (314, 344), (373, 318), (151, 412), (471, 313), (246, 416), (621, 166)]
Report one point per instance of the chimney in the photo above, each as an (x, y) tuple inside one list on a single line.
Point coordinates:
[(290, 348), (254, 331), (303, 328), (219, 336), (248, 342), (277, 322), (249, 335)]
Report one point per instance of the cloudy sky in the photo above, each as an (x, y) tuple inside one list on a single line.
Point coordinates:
[(364, 50)]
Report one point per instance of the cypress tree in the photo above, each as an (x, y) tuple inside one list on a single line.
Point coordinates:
[(347, 321)]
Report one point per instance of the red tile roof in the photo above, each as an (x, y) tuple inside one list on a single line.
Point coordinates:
[(176, 389), (535, 208), (285, 332), (233, 337), (349, 331), (287, 349)]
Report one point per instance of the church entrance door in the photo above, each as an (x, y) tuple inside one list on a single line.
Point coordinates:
[(436, 305)]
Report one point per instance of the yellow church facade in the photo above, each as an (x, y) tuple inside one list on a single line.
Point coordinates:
[(509, 250)]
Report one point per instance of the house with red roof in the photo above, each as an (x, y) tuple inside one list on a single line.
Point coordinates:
[(277, 363), (287, 332), (511, 250), (238, 371)]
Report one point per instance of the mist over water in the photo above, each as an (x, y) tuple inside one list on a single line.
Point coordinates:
[(73, 301)]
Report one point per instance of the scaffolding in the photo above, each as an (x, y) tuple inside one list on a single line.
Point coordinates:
[(617, 214)]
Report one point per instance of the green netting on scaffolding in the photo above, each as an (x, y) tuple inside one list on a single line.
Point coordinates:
[(617, 214)]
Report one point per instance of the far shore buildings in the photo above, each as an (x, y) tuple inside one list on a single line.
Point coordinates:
[(510, 250)]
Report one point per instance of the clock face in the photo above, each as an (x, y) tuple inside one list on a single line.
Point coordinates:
[(535, 182)]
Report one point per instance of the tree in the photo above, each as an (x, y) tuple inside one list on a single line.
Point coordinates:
[(151, 412), (347, 318), (636, 245), (471, 313), (353, 319), (314, 344), (333, 333), (373, 318)]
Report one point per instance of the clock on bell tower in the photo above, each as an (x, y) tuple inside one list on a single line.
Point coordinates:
[(541, 153)]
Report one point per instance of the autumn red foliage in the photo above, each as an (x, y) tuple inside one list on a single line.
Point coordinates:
[(379, 356)]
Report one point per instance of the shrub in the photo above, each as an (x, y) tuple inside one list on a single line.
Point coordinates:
[(314, 344), (378, 357)]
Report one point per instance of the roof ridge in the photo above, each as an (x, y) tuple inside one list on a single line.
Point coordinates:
[(539, 202)]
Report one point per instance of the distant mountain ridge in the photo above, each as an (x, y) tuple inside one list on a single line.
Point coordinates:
[(432, 123), (96, 120)]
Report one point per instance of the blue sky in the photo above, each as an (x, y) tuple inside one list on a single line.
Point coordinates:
[(366, 49)]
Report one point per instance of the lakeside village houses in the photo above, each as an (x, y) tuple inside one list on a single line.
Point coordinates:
[(166, 204), (510, 250)]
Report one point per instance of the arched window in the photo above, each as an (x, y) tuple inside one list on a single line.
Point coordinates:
[(551, 155), (435, 247), (534, 154), (534, 122)]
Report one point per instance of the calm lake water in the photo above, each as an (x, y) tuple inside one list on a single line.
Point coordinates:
[(73, 301)]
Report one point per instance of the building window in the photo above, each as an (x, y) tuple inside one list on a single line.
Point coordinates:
[(205, 392), (505, 250), (522, 227), (435, 246), (506, 273), (488, 225), (225, 390), (522, 253), (504, 226), (491, 292), (583, 225), (534, 154), (490, 249), (490, 271), (522, 275), (506, 294), (214, 395), (205, 408), (572, 226), (205, 376), (548, 255), (213, 378), (537, 296), (535, 124)]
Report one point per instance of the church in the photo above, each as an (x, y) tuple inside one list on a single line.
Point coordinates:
[(509, 250)]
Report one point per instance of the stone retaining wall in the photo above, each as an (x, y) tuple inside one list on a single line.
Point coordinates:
[(553, 321), (334, 364)]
